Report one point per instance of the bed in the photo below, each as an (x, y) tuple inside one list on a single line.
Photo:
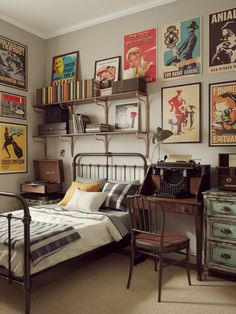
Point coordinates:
[(85, 223)]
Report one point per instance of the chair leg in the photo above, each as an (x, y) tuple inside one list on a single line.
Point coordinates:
[(188, 264), (131, 266), (160, 277), (155, 263)]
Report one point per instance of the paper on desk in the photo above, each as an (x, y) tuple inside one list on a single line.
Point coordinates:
[(178, 158)]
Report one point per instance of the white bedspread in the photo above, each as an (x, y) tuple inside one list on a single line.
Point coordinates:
[(95, 230)]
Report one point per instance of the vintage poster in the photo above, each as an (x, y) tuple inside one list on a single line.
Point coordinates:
[(13, 143), (222, 41), (13, 63), (222, 114), (181, 112), (65, 67), (181, 49), (140, 55), (12, 106)]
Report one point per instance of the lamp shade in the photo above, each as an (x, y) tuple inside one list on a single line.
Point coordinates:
[(161, 135)]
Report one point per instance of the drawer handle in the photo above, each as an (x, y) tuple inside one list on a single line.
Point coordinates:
[(225, 256), (226, 209), (226, 231)]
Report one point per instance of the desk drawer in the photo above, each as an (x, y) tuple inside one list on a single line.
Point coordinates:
[(223, 229), (185, 209)]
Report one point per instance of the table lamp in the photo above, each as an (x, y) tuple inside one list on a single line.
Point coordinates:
[(158, 138)]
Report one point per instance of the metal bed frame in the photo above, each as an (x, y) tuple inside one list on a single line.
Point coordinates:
[(111, 171)]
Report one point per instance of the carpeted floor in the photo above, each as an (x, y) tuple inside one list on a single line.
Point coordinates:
[(100, 288)]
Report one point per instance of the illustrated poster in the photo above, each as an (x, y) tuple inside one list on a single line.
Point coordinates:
[(12, 106)]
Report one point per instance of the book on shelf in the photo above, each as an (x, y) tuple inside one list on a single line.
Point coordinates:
[(79, 122), (98, 127)]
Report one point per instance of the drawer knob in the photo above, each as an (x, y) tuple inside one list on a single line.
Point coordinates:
[(226, 209), (225, 256), (226, 231)]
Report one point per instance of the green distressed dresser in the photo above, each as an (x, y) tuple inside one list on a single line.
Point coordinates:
[(220, 231)]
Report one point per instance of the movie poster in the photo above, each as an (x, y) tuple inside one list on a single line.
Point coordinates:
[(222, 114), (12, 106), (13, 143), (140, 55), (13, 63), (181, 49), (222, 41)]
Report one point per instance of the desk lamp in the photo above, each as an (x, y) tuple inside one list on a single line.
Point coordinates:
[(158, 138)]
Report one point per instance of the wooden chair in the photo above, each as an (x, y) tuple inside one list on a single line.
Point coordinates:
[(148, 237)]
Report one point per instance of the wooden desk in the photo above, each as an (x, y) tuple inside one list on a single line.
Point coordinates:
[(187, 206)]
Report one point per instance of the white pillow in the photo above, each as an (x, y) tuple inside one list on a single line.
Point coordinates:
[(86, 201)]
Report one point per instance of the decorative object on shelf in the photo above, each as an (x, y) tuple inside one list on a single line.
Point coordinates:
[(181, 49), (107, 71), (181, 112), (65, 66), (13, 142), (127, 117), (13, 63), (129, 85), (140, 55), (222, 119), (222, 38), (157, 139), (12, 105)]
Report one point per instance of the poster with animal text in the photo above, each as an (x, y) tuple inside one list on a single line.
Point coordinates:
[(222, 41), (13, 143), (222, 102), (13, 63), (181, 49), (140, 55)]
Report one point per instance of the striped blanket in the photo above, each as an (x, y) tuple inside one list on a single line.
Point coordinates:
[(45, 238)]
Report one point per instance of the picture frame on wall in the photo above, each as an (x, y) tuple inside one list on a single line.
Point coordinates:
[(127, 117), (181, 112), (12, 105), (222, 114), (13, 63), (107, 71), (65, 66), (13, 140)]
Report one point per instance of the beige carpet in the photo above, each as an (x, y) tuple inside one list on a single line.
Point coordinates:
[(99, 288)]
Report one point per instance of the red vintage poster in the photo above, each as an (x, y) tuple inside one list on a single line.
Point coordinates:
[(140, 55)]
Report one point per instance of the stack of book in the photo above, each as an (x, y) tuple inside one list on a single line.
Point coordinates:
[(98, 127), (79, 123)]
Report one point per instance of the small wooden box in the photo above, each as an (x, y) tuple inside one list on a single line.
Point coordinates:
[(130, 85), (49, 176)]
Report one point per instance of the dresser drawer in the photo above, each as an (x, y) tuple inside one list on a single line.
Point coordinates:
[(217, 207), (220, 228), (221, 254)]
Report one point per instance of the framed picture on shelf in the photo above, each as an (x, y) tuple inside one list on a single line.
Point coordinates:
[(65, 66), (127, 117), (13, 63), (12, 105), (13, 140), (181, 112), (107, 71), (222, 114)]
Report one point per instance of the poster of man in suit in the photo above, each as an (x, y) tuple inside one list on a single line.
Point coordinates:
[(222, 41), (181, 49)]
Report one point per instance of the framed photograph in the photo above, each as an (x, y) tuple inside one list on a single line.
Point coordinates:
[(12, 105), (13, 63), (181, 49), (127, 117), (222, 34), (13, 143), (222, 114), (181, 112), (65, 67), (140, 55), (107, 70)]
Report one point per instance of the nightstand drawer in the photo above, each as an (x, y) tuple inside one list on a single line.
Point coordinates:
[(221, 254), (223, 229), (221, 208)]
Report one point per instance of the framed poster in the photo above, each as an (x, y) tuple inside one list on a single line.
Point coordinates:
[(181, 49), (181, 112), (12, 105), (222, 114), (222, 41), (65, 66), (13, 63), (107, 70), (127, 117), (140, 55), (13, 143)]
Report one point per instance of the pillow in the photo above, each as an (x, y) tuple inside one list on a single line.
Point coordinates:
[(91, 187), (117, 195), (91, 180), (86, 201)]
